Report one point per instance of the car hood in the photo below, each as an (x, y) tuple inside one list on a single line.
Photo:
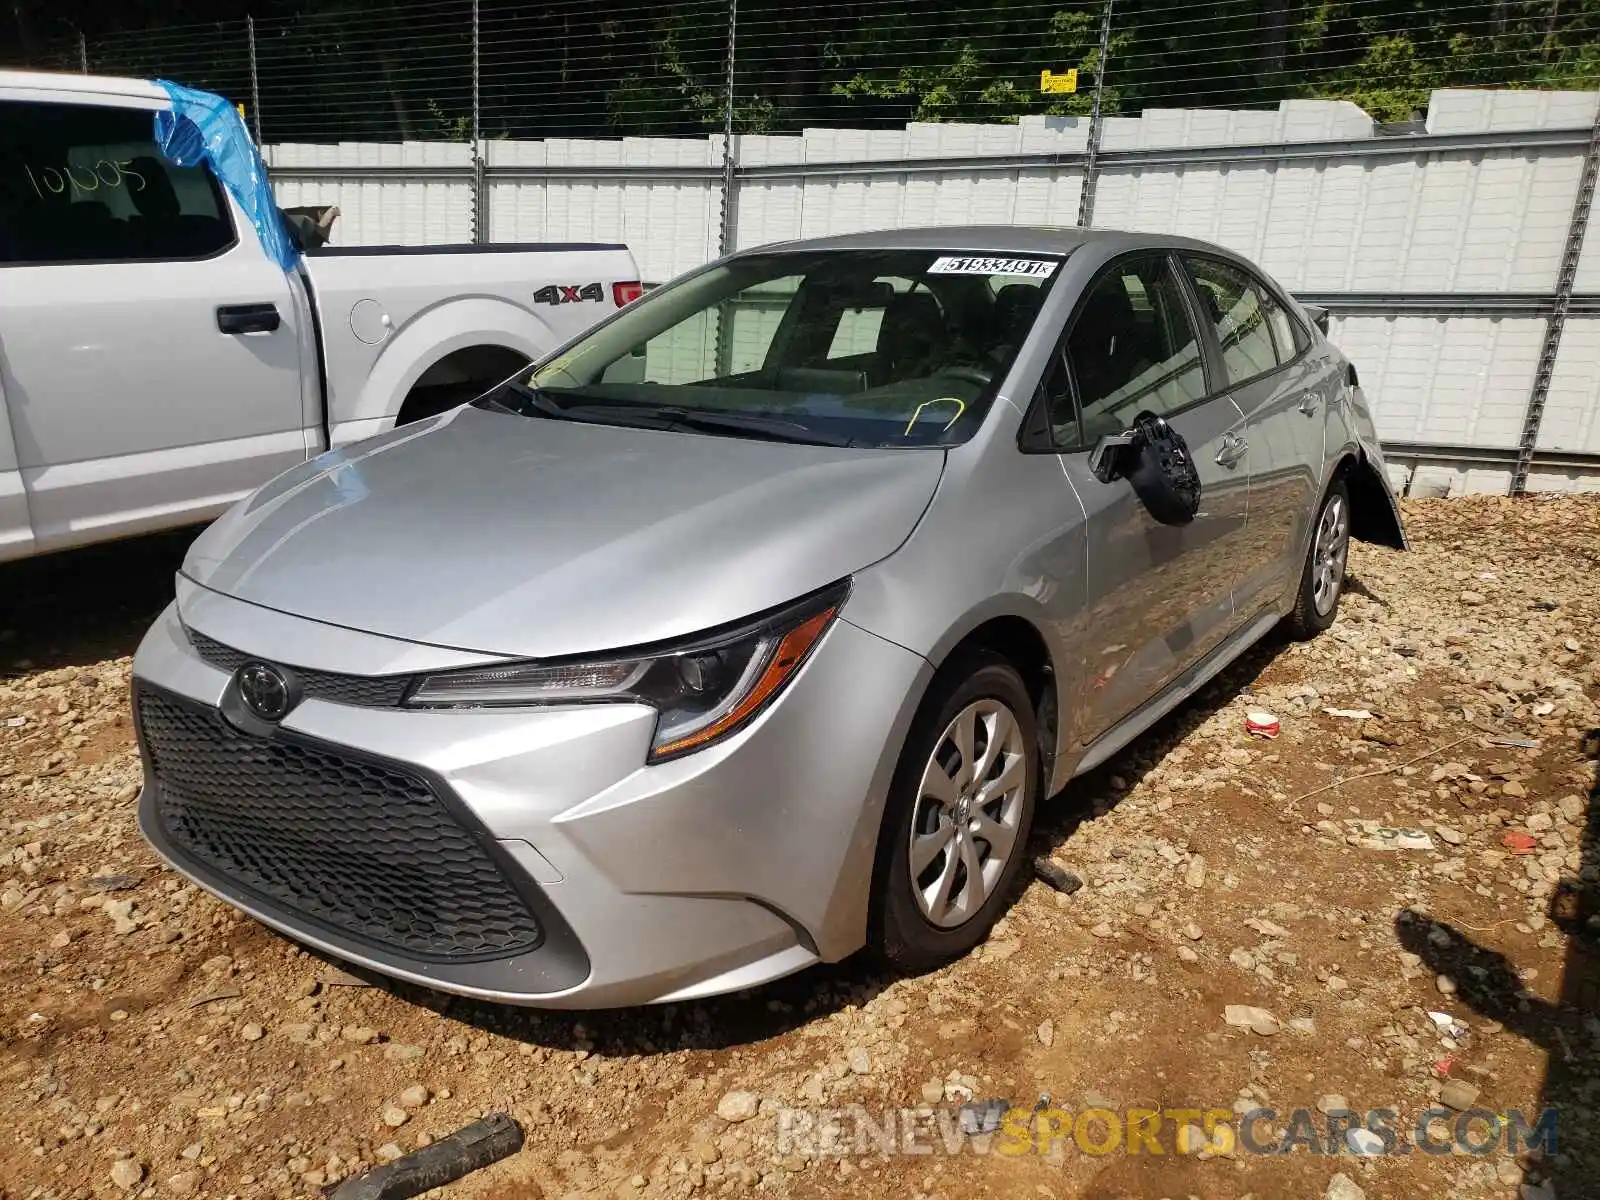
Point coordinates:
[(532, 537)]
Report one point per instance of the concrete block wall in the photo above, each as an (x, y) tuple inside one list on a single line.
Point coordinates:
[(1490, 219)]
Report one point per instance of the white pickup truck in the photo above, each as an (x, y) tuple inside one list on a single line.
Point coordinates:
[(156, 362)]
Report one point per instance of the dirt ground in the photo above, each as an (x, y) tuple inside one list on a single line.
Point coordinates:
[(154, 1043)]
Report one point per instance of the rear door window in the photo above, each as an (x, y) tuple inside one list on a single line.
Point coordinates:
[(82, 183), (1237, 309), (1287, 337)]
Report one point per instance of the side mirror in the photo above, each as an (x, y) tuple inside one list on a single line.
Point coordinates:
[(1319, 317), (1106, 460), (1156, 462)]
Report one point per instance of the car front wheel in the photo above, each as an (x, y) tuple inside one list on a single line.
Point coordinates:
[(956, 825)]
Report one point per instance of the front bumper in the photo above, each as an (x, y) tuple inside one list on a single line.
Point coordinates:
[(717, 871)]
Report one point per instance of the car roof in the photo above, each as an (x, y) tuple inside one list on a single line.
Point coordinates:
[(994, 239)]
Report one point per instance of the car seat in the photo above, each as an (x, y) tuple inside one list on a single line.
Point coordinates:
[(1104, 346), (911, 336)]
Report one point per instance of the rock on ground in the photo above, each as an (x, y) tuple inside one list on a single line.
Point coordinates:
[(1216, 870)]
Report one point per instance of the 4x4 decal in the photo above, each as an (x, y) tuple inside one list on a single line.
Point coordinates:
[(562, 293)]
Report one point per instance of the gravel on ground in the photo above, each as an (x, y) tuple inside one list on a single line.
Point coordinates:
[(1385, 911)]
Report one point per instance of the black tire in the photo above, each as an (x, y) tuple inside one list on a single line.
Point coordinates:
[(899, 931), (1307, 619)]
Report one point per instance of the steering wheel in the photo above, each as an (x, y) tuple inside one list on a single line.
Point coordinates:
[(967, 374)]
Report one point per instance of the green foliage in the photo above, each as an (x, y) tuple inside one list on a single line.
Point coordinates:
[(962, 90), (1397, 63), (448, 127), (367, 70), (982, 63), (669, 95)]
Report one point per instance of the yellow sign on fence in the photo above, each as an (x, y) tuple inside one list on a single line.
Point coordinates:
[(1066, 81)]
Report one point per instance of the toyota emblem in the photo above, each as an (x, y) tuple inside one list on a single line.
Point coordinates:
[(265, 691)]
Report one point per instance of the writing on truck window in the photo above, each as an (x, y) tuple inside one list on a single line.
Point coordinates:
[(84, 180)]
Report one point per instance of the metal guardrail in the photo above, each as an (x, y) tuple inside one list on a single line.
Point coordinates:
[(1489, 456), (1109, 160), (1449, 304)]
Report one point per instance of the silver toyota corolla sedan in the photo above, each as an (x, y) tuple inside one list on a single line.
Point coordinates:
[(749, 628)]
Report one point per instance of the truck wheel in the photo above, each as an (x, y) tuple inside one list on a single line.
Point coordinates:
[(955, 828)]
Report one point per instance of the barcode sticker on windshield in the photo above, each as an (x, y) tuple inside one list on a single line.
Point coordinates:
[(1037, 268)]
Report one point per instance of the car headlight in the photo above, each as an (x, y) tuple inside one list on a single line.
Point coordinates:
[(703, 688)]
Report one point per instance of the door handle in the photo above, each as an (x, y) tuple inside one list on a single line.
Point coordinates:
[(1233, 449), (248, 318)]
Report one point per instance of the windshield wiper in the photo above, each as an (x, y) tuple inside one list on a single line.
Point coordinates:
[(538, 400), (663, 416), (777, 429)]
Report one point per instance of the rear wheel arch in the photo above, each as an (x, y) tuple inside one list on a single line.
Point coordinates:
[(458, 376), (477, 325), (1372, 515)]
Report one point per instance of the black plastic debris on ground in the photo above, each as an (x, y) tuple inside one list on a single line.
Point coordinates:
[(1057, 876), (466, 1150)]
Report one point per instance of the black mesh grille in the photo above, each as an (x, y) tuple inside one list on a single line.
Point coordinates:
[(363, 691), (367, 848)]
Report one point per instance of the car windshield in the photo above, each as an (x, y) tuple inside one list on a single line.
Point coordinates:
[(841, 347)]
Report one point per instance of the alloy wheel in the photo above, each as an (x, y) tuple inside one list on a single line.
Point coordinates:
[(968, 808), (1328, 555)]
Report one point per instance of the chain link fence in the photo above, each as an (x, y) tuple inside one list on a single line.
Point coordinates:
[(405, 70)]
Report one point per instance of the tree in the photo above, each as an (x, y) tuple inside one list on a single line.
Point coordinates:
[(352, 69)]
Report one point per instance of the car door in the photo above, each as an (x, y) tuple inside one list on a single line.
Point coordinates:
[(150, 352), (1158, 597), (1259, 350)]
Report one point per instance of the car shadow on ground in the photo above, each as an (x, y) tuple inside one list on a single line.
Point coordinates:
[(1489, 983), (1095, 793), (80, 607)]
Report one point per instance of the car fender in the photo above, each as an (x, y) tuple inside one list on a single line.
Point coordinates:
[(1009, 604), (844, 929), (1376, 510), (1368, 484), (1060, 752), (446, 327), (1352, 437)]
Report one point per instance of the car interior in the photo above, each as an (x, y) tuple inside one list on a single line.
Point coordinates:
[(956, 327), (1132, 348)]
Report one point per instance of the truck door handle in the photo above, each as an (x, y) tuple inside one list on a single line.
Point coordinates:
[(1232, 451), (248, 318)]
